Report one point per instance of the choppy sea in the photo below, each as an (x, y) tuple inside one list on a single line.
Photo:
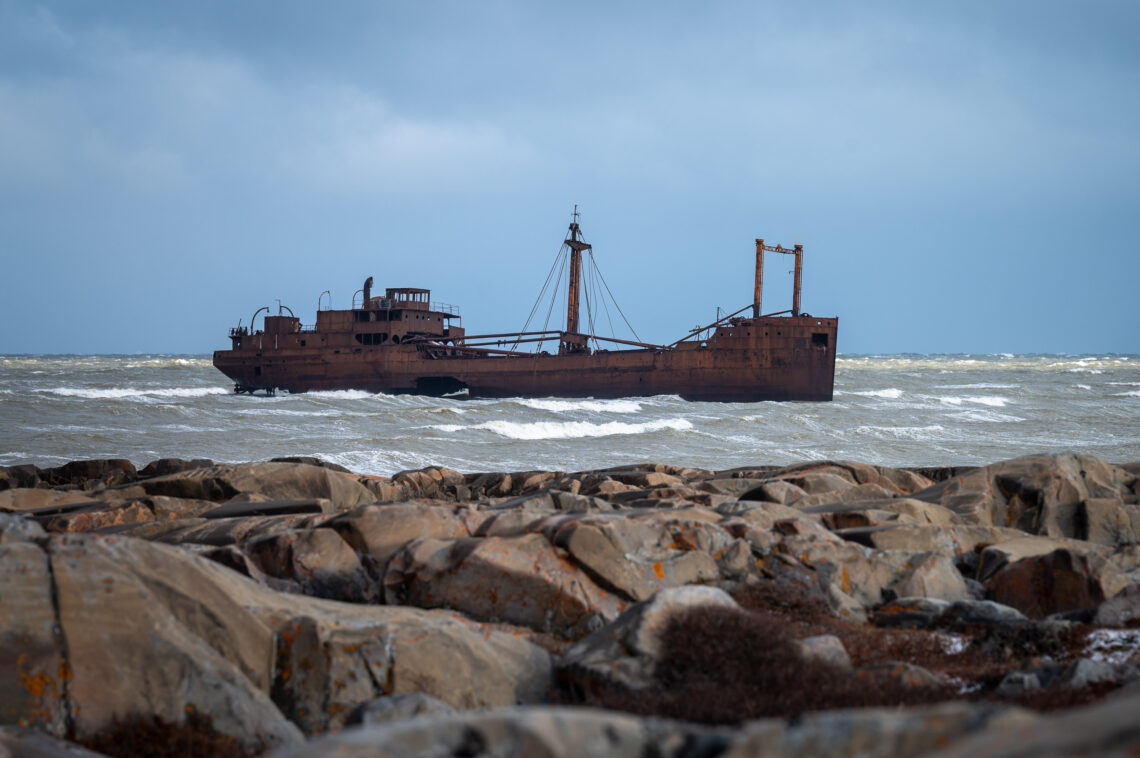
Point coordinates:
[(888, 409)]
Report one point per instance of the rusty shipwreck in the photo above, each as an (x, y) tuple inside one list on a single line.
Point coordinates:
[(402, 342)]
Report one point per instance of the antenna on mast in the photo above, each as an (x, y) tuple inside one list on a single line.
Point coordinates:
[(576, 245)]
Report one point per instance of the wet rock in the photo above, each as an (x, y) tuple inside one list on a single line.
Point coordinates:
[(22, 476), (108, 472), (1056, 582)]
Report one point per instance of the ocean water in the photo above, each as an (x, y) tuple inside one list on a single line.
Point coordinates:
[(889, 409)]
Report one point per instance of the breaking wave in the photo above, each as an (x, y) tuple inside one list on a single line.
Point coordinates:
[(919, 433), (994, 401), (342, 394), (890, 394), (562, 406), (120, 393), (551, 430)]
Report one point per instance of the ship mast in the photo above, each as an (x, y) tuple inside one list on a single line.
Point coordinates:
[(576, 245), (798, 252)]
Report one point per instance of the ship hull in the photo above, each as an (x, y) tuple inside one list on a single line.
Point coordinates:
[(767, 358)]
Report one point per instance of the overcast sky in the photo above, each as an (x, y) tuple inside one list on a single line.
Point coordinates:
[(963, 175)]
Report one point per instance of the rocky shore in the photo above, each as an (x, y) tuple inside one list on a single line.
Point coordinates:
[(826, 609)]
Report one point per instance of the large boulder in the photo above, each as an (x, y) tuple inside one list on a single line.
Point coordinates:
[(332, 658), (106, 471), (870, 577), (146, 629), (147, 633), (994, 557), (1057, 582), (1038, 494), (269, 481), (381, 530), (638, 555), (313, 562), (33, 668), (522, 580), (952, 540)]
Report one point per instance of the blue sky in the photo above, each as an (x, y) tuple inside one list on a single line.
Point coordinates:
[(963, 176)]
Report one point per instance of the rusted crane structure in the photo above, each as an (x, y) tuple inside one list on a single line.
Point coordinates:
[(402, 342)]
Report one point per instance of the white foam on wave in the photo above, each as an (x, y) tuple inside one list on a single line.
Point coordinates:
[(1130, 393), (918, 433), (979, 386), (891, 393), (562, 406), (982, 415), (1082, 386), (341, 394), (169, 362), (121, 393), (994, 401), (553, 430)]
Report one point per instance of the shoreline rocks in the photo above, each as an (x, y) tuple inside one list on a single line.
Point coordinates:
[(278, 599)]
